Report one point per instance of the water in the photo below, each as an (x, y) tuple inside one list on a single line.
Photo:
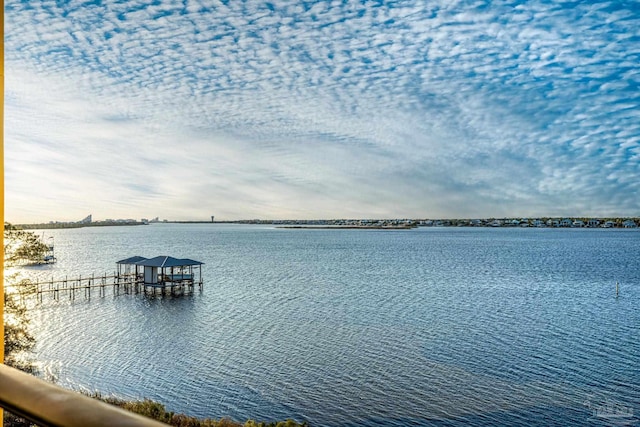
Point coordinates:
[(434, 326)]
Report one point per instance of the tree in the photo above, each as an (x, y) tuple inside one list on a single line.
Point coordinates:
[(21, 246), (18, 341)]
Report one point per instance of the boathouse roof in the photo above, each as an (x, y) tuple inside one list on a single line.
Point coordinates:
[(167, 261), (131, 260), (159, 261), (191, 262)]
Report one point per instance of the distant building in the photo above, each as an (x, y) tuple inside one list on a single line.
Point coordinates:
[(566, 222), (593, 223), (86, 220)]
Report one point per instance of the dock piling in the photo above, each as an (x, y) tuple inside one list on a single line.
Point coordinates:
[(164, 275)]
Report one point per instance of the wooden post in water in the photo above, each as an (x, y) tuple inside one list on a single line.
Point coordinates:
[(617, 289), (133, 283)]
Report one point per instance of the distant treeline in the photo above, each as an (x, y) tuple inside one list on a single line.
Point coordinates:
[(615, 222)]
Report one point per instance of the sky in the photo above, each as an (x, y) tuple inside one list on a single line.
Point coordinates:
[(321, 109)]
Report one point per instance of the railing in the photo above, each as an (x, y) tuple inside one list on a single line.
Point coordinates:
[(46, 404)]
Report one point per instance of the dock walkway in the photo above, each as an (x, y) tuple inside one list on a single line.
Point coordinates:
[(135, 275), (116, 284)]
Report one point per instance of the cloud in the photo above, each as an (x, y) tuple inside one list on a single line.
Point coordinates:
[(325, 109)]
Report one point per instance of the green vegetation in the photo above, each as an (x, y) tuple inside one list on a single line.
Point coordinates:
[(18, 341), (22, 246), (19, 247), (157, 411)]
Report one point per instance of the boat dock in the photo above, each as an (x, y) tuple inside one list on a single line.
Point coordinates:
[(161, 275)]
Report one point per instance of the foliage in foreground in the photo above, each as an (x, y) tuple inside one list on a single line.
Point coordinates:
[(21, 246), (157, 411), (18, 340)]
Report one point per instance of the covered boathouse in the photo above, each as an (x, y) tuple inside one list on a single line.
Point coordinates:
[(163, 272)]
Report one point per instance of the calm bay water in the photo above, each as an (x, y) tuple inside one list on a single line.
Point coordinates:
[(434, 326)]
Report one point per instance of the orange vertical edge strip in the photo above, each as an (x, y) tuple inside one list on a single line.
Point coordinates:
[(2, 190)]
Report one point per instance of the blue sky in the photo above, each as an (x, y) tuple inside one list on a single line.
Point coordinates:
[(327, 109)]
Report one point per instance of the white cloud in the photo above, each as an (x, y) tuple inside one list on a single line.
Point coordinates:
[(445, 109)]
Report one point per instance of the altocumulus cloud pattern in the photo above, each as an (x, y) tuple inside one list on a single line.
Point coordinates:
[(322, 109)]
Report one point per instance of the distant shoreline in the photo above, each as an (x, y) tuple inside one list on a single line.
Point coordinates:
[(61, 225), (350, 227), (368, 224)]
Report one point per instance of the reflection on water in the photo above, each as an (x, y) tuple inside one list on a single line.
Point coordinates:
[(425, 327)]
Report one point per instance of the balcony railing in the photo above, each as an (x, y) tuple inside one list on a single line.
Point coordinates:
[(46, 404)]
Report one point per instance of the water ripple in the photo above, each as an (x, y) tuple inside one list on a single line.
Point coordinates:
[(428, 327)]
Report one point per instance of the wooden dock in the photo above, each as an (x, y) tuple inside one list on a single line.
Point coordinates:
[(116, 284), (135, 275)]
